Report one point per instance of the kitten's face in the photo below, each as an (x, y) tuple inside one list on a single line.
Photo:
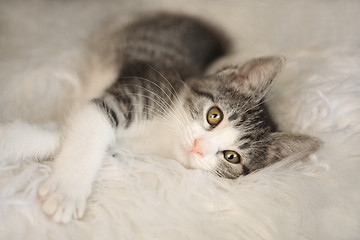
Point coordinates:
[(229, 131), (224, 126)]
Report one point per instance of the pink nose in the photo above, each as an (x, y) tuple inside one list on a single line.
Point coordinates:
[(196, 147)]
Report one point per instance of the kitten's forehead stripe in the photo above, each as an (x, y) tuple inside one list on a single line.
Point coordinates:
[(194, 111), (233, 116), (204, 94), (244, 146), (246, 137)]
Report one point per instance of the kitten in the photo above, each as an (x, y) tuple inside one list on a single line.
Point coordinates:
[(162, 104)]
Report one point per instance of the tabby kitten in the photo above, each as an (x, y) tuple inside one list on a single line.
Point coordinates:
[(161, 104)]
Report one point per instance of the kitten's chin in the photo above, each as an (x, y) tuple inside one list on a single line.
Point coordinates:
[(189, 160), (183, 160), (184, 157)]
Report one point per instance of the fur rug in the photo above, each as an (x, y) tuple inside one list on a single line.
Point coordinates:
[(42, 69)]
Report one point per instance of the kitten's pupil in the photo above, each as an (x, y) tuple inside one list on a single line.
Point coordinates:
[(232, 156), (214, 116)]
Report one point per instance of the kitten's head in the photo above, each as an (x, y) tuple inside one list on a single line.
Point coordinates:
[(229, 129)]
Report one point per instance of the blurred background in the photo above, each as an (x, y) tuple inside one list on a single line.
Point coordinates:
[(41, 40)]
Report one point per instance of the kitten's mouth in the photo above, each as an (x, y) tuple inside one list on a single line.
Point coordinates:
[(193, 155), (186, 156)]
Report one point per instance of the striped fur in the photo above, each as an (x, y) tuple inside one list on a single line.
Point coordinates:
[(159, 106), (162, 62)]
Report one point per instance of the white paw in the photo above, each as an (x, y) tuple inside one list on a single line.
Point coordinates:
[(62, 199)]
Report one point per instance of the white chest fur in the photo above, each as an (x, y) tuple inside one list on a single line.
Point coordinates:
[(150, 138)]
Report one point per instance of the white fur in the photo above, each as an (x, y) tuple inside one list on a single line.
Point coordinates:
[(88, 136), (137, 197), (37, 141)]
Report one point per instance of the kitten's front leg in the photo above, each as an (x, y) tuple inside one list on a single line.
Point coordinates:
[(88, 135)]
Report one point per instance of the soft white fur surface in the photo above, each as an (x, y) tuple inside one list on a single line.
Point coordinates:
[(42, 69)]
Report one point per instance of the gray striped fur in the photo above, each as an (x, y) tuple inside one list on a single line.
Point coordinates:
[(163, 58)]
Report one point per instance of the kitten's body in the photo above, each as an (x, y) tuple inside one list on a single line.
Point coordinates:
[(161, 104)]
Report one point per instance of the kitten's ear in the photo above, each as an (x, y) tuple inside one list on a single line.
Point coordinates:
[(255, 77), (283, 145)]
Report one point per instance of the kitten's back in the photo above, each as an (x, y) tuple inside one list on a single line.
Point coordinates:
[(167, 41)]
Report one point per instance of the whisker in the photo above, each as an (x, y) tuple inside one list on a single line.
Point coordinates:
[(171, 85), (165, 104), (156, 114), (176, 110), (157, 85), (174, 90)]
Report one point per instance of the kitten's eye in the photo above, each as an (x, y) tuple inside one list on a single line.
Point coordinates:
[(231, 156), (214, 116)]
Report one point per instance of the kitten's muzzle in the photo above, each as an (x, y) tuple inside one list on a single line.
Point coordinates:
[(196, 148)]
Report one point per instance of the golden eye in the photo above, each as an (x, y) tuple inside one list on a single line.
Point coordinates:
[(214, 116), (231, 156)]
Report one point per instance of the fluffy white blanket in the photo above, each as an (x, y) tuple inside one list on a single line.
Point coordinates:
[(142, 197)]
